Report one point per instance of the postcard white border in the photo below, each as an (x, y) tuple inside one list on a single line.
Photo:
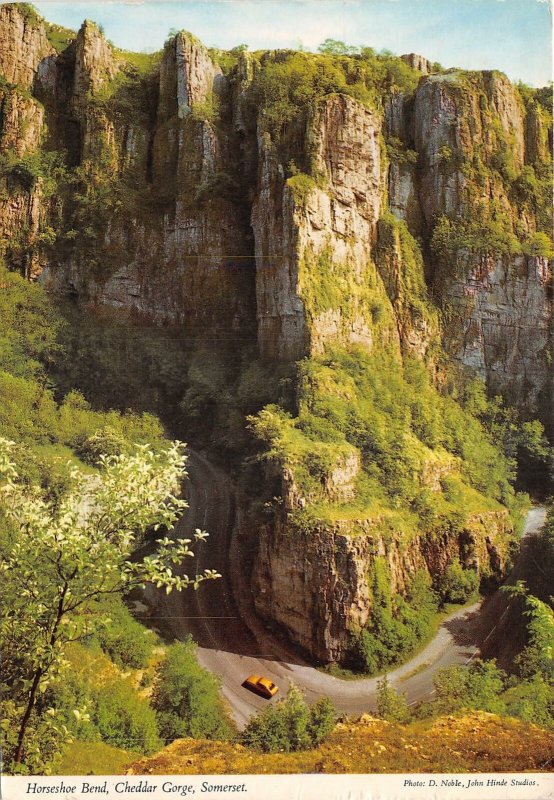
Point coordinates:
[(433, 786)]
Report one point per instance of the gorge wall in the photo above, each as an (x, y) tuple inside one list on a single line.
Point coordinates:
[(413, 221)]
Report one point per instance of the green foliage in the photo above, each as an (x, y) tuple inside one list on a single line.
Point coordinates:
[(93, 758), (391, 705), (523, 441), (396, 625), (301, 186), (333, 47), (494, 237), (29, 14), (124, 719), (186, 697), (532, 701), (539, 244), (208, 110), (477, 686), (123, 639), (404, 282), (541, 549), (46, 737), (457, 584), (482, 686), (94, 702), (399, 153), (46, 166), (58, 36), (29, 327), (394, 417), (290, 725), (64, 556), (288, 83), (537, 658)]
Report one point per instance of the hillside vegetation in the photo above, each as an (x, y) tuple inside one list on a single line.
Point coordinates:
[(478, 742)]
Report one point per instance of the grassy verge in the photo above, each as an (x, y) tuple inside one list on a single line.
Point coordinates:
[(94, 758)]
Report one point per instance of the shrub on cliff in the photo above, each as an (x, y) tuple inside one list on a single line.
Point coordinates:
[(457, 584), (124, 719), (290, 725), (126, 641), (396, 624)]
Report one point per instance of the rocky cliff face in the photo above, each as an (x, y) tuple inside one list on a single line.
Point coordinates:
[(209, 209), (156, 185), (471, 137), (309, 232), (317, 585), (168, 234), (24, 46)]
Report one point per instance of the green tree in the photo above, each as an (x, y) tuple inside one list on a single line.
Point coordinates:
[(458, 584), (186, 697), (335, 47), (477, 686), (290, 724), (62, 558), (537, 658), (391, 705)]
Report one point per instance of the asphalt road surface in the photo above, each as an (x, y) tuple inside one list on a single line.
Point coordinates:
[(227, 647)]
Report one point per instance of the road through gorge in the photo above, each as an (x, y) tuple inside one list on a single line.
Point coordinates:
[(228, 647)]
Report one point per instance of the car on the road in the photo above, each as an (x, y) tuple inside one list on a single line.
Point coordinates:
[(261, 685)]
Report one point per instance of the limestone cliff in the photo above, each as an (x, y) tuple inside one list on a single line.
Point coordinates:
[(473, 136), (309, 232), (295, 204), (316, 583), (24, 46)]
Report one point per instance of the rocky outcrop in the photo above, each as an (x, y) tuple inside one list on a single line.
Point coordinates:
[(22, 122), (174, 245), (313, 233), (94, 63), (188, 77), (504, 325), (456, 121), (467, 130), (417, 62), (24, 45), (316, 584)]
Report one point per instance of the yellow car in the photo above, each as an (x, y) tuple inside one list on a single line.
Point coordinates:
[(262, 686)]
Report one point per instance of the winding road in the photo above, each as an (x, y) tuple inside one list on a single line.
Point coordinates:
[(227, 646)]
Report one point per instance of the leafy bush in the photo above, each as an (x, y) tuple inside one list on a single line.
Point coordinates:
[(457, 584), (123, 639), (537, 657), (290, 725), (539, 244), (288, 83), (106, 441), (124, 719), (47, 165), (91, 701), (486, 236), (396, 625), (482, 686), (186, 697), (30, 329), (532, 701), (477, 686), (391, 705)]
